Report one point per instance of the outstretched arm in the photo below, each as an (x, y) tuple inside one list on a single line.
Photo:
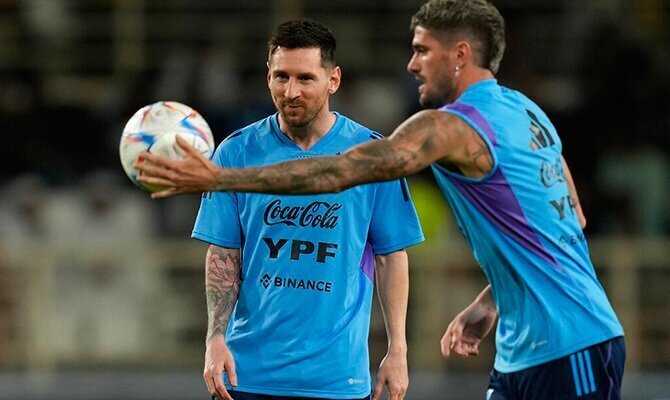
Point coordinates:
[(424, 138)]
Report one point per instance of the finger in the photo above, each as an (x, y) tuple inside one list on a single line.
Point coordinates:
[(466, 349), (472, 349), (164, 194), (154, 159), (221, 391), (155, 181), (153, 170), (210, 388), (379, 388), (186, 146)]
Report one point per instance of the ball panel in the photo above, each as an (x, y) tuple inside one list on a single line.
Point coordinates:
[(154, 128)]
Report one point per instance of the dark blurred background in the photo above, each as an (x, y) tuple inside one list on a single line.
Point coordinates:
[(101, 289)]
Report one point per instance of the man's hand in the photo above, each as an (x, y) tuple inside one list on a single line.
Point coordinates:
[(392, 373), (218, 358), (193, 174), (468, 329)]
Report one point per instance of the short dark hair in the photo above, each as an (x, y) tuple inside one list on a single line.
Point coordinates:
[(304, 34), (478, 18)]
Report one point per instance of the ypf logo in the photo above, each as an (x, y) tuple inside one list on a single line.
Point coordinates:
[(265, 280)]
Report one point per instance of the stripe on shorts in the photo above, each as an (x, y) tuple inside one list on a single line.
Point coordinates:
[(575, 375), (582, 372), (589, 366)]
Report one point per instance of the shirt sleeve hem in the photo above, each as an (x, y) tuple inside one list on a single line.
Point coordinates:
[(231, 244), (397, 246)]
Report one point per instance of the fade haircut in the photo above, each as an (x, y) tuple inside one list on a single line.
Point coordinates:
[(304, 34), (478, 19)]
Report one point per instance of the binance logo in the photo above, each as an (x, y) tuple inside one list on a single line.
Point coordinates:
[(265, 280)]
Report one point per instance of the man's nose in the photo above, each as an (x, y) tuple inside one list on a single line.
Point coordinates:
[(412, 65), (291, 90)]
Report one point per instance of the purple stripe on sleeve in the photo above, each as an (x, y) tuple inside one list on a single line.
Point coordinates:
[(473, 115), (496, 201), (368, 262)]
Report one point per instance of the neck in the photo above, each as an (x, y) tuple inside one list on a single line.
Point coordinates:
[(306, 136), (469, 77)]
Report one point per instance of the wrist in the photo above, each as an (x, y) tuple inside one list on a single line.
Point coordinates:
[(216, 337), (397, 347)]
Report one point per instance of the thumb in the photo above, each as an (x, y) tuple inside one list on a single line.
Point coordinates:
[(450, 338), (456, 334), (445, 343)]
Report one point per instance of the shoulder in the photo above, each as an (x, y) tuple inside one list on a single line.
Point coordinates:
[(243, 140), (247, 135), (357, 133)]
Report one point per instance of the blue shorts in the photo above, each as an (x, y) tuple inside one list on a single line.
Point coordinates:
[(254, 396), (593, 373)]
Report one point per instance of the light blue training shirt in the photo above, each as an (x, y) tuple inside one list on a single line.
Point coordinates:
[(301, 323), (524, 232)]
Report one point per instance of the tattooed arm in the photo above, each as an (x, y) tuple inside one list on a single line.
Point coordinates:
[(426, 137), (222, 281)]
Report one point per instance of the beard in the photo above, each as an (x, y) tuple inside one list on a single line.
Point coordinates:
[(440, 95), (432, 100), (299, 117), (295, 118)]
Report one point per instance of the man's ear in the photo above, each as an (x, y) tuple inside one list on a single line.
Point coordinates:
[(334, 80), (463, 53)]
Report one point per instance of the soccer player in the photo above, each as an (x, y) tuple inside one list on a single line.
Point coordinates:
[(290, 278), (498, 160)]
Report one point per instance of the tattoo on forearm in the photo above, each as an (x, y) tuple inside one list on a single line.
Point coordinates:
[(222, 280)]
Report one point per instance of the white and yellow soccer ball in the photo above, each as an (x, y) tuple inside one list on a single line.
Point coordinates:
[(154, 128)]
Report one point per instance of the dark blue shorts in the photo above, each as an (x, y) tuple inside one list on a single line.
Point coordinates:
[(593, 373), (253, 396)]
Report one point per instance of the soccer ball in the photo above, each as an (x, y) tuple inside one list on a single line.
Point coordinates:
[(154, 128)]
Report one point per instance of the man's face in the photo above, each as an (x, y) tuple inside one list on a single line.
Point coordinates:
[(300, 85), (433, 66)]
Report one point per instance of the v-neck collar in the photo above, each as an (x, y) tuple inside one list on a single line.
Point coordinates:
[(316, 147)]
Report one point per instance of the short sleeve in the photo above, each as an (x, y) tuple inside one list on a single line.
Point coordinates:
[(218, 220), (394, 224)]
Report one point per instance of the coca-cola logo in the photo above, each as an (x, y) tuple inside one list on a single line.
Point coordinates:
[(551, 174), (317, 214)]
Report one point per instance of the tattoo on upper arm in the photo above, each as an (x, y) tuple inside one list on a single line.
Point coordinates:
[(471, 155), (480, 155), (222, 282)]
